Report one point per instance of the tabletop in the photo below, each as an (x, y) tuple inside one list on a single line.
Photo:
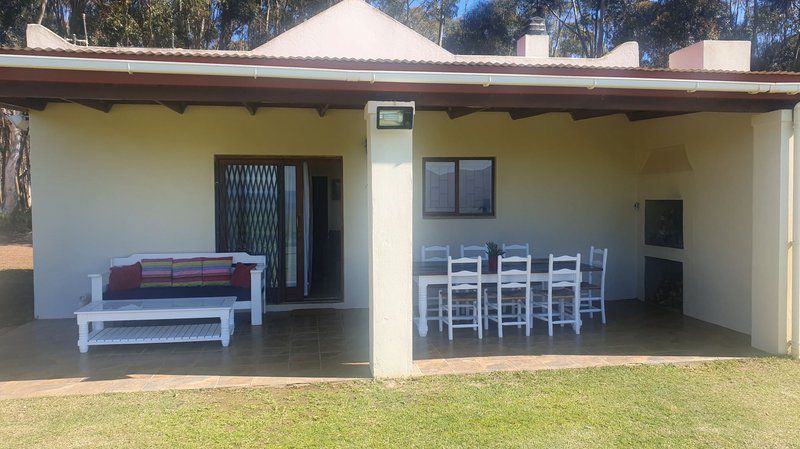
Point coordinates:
[(134, 305), (537, 266)]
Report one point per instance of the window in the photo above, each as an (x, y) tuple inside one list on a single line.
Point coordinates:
[(458, 187)]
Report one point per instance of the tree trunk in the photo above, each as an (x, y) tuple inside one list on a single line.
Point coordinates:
[(42, 8), (16, 145), (441, 22)]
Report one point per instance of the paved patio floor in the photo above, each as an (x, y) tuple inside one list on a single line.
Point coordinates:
[(40, 358)]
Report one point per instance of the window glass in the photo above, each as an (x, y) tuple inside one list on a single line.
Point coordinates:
[(440, 187), (456, 187), (475, 186)]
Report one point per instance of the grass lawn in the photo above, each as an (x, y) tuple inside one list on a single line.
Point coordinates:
[(753, 403)]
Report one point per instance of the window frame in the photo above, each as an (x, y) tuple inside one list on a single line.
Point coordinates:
[(457, 162)]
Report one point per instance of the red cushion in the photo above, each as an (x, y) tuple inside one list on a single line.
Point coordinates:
[(125, 278), (241, 275)]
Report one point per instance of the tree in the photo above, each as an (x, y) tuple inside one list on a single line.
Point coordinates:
[(14, 178)]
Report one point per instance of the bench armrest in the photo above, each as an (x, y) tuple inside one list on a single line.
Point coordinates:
[(96, 281)]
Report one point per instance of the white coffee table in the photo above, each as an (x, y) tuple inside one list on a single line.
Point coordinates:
[(99, 312)]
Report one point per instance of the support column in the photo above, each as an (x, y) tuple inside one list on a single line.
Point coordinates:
[(772, 134), (390, 194)]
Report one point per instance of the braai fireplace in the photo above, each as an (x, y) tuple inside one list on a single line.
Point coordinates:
[(663, 223), (663, 283)]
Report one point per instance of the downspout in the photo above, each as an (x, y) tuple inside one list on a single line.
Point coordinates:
[(795, 305)]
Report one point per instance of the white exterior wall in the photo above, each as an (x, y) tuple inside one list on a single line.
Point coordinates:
[(140, 179), (561, 185), (718, 210)]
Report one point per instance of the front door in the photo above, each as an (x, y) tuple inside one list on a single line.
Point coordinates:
[(259, 211)]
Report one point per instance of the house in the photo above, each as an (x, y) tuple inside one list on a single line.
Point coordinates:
[(130, 147)]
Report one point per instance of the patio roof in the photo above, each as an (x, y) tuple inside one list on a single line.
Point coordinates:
[(33, 84)]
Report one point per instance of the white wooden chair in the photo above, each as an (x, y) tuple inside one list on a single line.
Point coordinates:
[(511, 299), (593, 291), (474, 251), (518, 250), (460, 305), (434, 253), (562, 289)]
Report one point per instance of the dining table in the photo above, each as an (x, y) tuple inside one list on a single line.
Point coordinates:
[(435, 273)]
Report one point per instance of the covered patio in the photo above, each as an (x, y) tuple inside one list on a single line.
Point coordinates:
[(577, 155), (329, 345)]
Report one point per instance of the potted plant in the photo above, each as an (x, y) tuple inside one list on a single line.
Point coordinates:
[(493, 251)]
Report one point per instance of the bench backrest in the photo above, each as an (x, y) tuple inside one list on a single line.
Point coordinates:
[(237, 258)]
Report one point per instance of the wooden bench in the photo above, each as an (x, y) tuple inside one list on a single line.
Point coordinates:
[(255, 302)]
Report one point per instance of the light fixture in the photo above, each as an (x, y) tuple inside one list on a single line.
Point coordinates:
[(395, 117)]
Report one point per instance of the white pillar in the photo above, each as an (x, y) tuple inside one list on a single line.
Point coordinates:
[(772, 134), (390, 193), (795, 234)]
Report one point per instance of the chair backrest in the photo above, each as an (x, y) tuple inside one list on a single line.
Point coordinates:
[(517, 249), (598, 257), (564, 272), (474, 251), (435, 253), (463, 274), (513, 273)]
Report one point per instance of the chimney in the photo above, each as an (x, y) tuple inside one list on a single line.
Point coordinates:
[(713, 55), (535, 43)]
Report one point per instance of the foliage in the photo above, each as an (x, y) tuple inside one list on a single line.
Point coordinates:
[(18, 221), (493, 250), (577, 27), (750, 403)]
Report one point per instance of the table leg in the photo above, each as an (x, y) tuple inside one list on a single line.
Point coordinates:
[(83, 335), (225, 328), (233, 321), (422, 304)]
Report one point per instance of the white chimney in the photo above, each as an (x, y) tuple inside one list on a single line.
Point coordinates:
[(535, 43), (38, 36), (713, 55)]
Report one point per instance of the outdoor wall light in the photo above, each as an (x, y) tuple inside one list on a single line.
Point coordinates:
[(395, 117)]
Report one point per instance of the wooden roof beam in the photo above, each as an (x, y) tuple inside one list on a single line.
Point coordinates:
[(177, 106), (252, 108), (98, 105), (23, 104), (636, 116), (228, 95), (585, 115), (456, 112), (519, 114)]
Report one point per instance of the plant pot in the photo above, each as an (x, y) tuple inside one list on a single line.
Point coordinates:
[(492, 264)]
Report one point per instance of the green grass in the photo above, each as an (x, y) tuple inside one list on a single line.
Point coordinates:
[(753, 403)]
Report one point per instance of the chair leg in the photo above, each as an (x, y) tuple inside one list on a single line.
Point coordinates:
[(440, 311), (486, 314), (550, 321), (450, 323), (603, 308), (499, 318), (527, 317), (479, 320)]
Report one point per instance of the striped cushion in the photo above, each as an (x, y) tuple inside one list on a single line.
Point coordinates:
[(187, 272), (217, 270), (156, 273)]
